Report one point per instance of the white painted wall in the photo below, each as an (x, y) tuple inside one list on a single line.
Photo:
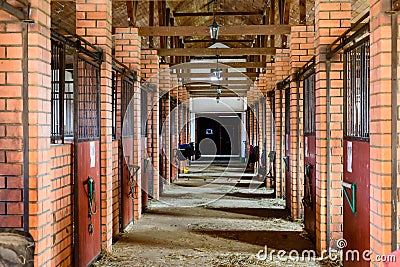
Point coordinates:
[(225, 105)]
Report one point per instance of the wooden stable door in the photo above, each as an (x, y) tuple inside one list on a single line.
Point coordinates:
[(286, 157), (87, 162), (124, 85), (309, 198), (356, 148)]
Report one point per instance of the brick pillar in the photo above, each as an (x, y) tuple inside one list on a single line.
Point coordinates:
[(12, 185), (301, 51), (165, 87), (93, 22), (380, 128), (127, 50), (11, 155), (150, 72), (282, 69), (332, 18)]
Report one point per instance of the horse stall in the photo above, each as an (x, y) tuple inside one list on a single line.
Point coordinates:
[(307, 75), (285, 87), (123, 83), (75, 105), (354, 44), (356, 149)]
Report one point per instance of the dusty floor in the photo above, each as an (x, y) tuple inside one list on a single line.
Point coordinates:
[(219, 221)]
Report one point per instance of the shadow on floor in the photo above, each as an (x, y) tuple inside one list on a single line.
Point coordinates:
[(259, 212), (250, 195), (286, 240)]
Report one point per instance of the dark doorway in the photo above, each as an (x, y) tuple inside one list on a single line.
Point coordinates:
[(218, 135)]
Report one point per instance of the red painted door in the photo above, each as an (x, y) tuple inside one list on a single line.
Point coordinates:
[(356, 148), (144, 173), (87, 204), (309, 190), (288, 180), (89, 230), (128, 170), (356, 226), (126, 188), (309, 187), (286, 158)]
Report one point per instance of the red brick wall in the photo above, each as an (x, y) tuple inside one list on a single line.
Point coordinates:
[(331, 20), (380, 128), (115, 188), (61, 204), (39, 128), (11, 158)]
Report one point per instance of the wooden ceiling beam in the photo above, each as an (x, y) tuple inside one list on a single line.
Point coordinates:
[(219, 13), (216, 51), (205, 31), (222, 65), (222, 82), (219, 41), (224, 75)]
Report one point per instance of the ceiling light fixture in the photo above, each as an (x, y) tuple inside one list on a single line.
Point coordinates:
[(214, 27), (217, 72)]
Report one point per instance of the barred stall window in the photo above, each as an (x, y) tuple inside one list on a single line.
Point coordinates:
[(357, 90), (73, 68), (309, 104), (88, 106), (57, 91), (114, 104), (287, 107), (144, 111)]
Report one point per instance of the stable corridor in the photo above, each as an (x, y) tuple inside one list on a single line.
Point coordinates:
[(213, 216)]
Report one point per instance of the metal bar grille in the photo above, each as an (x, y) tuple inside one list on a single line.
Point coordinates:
[(287, 108), (143, 100), (357, 90), (88, 99), (127, 90), (57, 91), (114, 104), (309, 104)]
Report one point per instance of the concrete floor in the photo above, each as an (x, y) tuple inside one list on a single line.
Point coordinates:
[(212, 221)]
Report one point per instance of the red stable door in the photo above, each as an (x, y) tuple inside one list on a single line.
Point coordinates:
[(127, 177), (356, 214), (309, 198), (87, 220), (286, 157), (356, 148)]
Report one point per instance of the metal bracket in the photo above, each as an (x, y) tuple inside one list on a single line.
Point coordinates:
[(351, 202), (286, 161)]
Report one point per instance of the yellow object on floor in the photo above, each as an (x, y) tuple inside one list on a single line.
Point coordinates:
[(185, 170)]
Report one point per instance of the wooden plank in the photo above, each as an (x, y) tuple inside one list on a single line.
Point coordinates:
[(216, 51), (204, 30), (222, 82), (222, 65), (302, 7), (224, 75), (219, 13), (219, 41)]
